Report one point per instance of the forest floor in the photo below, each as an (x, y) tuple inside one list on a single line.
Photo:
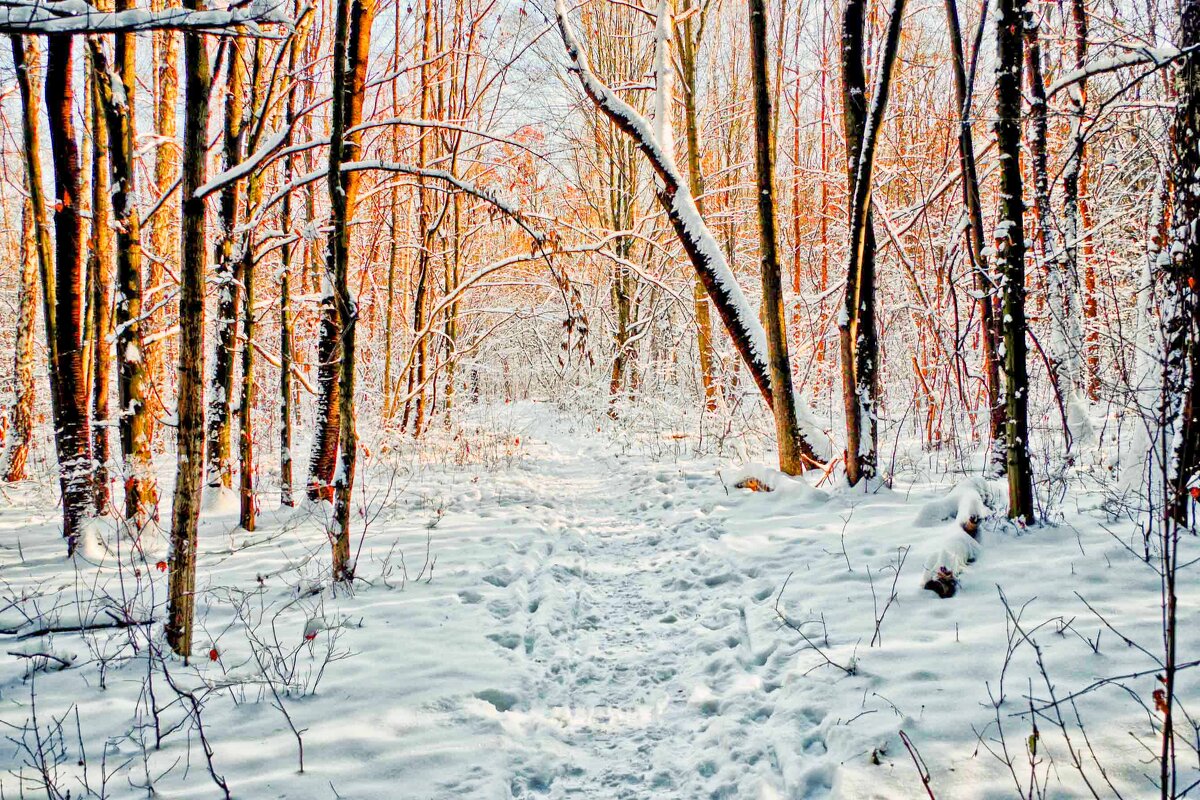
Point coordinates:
[(546, 610)]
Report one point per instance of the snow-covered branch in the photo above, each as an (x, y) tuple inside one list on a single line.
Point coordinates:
[(77, 16)]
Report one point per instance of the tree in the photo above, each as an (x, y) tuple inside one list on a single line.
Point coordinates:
[(351, 52), (73, 437), (20, 427), (787, 432), (859, 341), (190, 405), (1010, 254)]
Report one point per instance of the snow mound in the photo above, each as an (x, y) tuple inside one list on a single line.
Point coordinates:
[(774, 482)]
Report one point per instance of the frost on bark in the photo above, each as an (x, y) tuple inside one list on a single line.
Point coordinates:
[(190, 407), (1010, 254)]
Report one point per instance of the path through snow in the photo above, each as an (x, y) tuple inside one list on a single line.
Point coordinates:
[(600, 623)]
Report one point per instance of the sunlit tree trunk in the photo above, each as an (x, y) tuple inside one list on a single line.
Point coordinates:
[(791, 456), (99, 283), (25, 62), (688, 45), (164, 241), (351, 52), (20, 429), (190, 407), (228, 279), (75, 448)]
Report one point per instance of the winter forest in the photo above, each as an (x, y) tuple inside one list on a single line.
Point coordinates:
[(600, 399)]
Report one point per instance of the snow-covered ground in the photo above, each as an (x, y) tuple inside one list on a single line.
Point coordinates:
[(546, 610)]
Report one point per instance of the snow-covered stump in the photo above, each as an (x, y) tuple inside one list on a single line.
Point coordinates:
[(966, 507)]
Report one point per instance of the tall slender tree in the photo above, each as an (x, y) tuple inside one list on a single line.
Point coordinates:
[(192, 263), (1010, 254)]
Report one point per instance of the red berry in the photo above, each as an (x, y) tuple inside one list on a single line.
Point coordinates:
[(162, 566), (213, 655)]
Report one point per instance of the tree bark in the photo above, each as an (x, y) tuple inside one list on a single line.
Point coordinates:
[(351, 52), (1010, 250), (689, 43), (858, 336), (75, 447), (99, 281), (229, 280), (774, 315), (24, 391), (192, 263), (985, 284)]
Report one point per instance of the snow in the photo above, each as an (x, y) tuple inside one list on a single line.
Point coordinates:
[(551, 605)]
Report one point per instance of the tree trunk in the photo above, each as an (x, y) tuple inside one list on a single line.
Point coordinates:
[(75, 448), (163, 238), (25, 62), (133, 384), (229, 280), (351, 51), (99, 282), (985, 285), (21, 416), (1010, 250), (688, 45), (858, 336), (773, 312), (192, 263)]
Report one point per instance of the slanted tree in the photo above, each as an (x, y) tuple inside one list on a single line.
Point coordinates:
[(985, 285), (859, 340)]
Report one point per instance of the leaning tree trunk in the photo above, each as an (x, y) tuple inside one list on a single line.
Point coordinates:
[(791, 457), (710, 263), (859, 344), (1010, 253), (75, 446), (192, 263), (21, 416), (985, 286), (351, 51)]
